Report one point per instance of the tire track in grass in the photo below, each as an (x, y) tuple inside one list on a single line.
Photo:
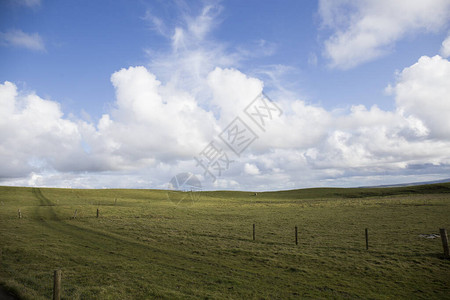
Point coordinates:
[(91, 240), (81, 233), (44, 201), (44, 204)]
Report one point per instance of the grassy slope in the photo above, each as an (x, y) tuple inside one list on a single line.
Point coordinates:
[(143, 246)]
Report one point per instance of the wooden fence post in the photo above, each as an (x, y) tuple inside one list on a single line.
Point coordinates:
[(98, 212), (367, 239), (253, 231), (444, 239), (296, 235), (57, 285)]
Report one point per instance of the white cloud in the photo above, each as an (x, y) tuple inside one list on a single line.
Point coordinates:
[(445, 49), (35, 135), (365, 30), (416, 133), (154, 131), (300, 126), (153, 121), (18, 38), (167, 112), (251, 169), (155, 23), (423, 91), (193, 53), (231, 91)]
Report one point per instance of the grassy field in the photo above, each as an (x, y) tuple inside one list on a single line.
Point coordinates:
[(144, 247)]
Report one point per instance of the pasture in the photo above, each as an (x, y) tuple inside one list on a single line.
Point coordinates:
[(143, 246)]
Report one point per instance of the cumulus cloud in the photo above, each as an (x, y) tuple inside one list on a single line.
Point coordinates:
[(251, 169), (423, 91), (35, 135), (162, 118), (154, 130), (231, 91), (365, 30), (18, 38), (154, 121), (415, 134), (445, 49)]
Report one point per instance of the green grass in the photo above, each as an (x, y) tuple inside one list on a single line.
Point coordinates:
[(145, 247)]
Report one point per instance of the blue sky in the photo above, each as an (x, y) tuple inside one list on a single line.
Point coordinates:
[(95, 89)]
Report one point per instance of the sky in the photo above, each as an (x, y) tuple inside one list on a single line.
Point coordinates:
[(244, 95)]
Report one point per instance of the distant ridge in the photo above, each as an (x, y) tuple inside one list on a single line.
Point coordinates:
[(408, 184)]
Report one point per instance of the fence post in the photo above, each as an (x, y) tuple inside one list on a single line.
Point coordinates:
[(98, 212), (444, 239), (253, 231), (367, 239), (296, 235), (57, 285), (19, 213)]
